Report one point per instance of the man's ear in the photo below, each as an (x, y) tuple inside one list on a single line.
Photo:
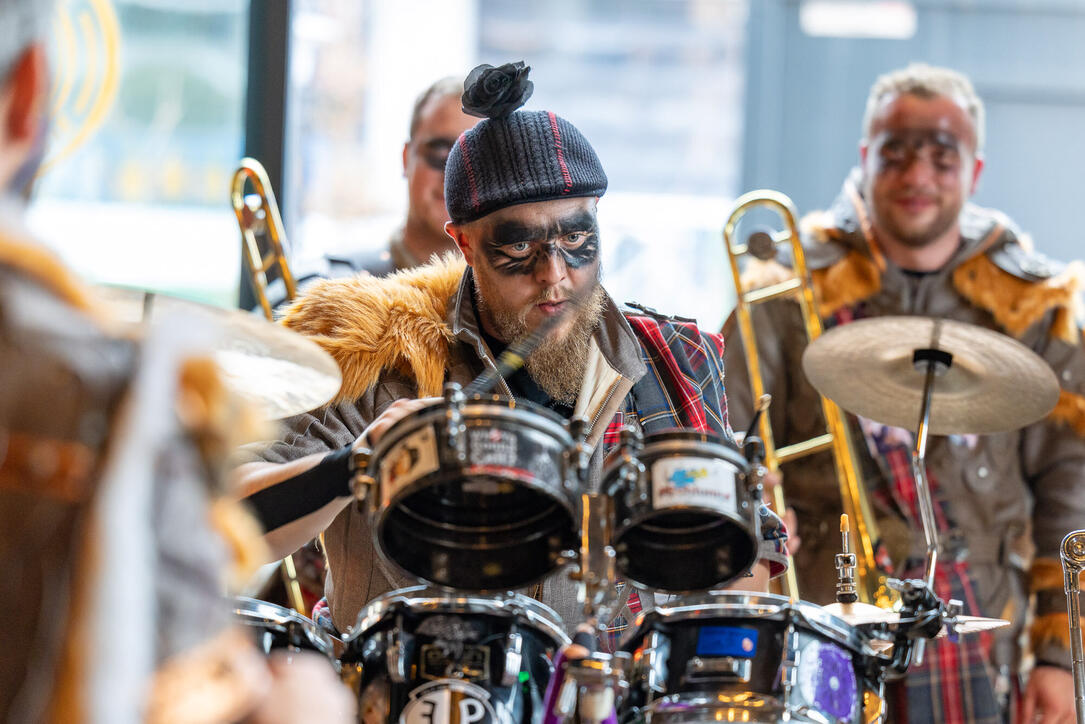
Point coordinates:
[(977, 169), (26, 94), (864, 147), (463, 241), (406, 150)]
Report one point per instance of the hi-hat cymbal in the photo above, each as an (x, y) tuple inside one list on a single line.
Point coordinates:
[(858, 614), (278, 370), (994, 383)]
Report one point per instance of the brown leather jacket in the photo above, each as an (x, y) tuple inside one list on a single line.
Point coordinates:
[(1014, 495)]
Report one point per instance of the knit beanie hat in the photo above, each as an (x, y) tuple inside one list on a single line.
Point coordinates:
[(514, 157)]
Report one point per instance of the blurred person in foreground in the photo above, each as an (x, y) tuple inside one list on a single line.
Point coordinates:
[(903, 239), (115, 540), (522, 189)]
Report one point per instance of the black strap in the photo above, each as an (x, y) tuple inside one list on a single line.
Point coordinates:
[(305, 493)]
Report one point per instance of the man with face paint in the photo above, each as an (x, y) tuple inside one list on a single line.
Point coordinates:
[(522, 189), (902, 239), (112, 561)]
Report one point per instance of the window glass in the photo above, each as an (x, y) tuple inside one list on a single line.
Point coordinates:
[(655, 85), (148, 103)]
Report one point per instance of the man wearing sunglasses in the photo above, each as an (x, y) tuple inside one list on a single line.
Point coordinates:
[(436, 122), (902, 239)]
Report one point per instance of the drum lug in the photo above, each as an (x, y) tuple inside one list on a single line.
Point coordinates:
[(395, 653), (514, 658), (361, 482), (456, 430)]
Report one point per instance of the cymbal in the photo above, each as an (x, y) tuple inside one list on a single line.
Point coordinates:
[(994, 383), (278, 370), (858, 614)]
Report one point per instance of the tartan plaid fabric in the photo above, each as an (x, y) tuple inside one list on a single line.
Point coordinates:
[(683, 388), (955, 682)]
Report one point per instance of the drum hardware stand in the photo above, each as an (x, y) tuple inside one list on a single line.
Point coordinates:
[(596, 573), (845, 566), (933, 362), (1072, 557), (591, 687)]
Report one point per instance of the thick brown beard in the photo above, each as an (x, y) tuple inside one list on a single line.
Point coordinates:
[(557, 365)]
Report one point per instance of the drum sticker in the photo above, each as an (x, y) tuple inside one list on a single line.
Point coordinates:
[(451, 701), (411, 458), (727, 641), (442, 660), (492, 447), (827, 681), (682, 481)]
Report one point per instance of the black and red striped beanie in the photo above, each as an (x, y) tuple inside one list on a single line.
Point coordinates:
[(512, 156)]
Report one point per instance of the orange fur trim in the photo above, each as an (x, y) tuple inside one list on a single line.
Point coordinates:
[(369, 324), (1017, 304), (37, 262), (850, 280), (1045, 575), (1050, 628), (1070, 410)]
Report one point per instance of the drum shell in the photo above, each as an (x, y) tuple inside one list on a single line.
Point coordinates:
[(497, 518), (436, 640), (275, 628), (674, 681), (685, 543)]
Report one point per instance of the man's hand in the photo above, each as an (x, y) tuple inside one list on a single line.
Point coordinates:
[(773, 479), (393, 414), (1049, 697)]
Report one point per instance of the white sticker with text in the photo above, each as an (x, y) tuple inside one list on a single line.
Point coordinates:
[(699, 482)]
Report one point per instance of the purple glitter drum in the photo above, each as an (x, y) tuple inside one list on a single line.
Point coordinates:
[(827, 680)]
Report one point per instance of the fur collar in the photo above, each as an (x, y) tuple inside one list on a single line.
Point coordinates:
[(38, 263), (369, 324)]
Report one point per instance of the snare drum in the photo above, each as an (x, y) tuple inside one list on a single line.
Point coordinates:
[(275, 628), (476, 494), (745, 657), (419, 656), (684, 519)]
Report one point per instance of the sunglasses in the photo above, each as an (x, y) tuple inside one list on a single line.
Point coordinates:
[(434, 152)]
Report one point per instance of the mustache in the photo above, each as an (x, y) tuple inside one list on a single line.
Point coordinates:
[(552, 294)]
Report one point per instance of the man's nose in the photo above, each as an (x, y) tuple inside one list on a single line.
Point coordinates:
[(551, 269), (920, 169)]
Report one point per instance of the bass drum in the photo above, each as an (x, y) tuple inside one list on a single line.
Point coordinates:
[(476, 494), (684, 519), (417, 656), (746, 657)]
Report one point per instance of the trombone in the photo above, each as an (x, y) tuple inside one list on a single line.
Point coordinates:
[(871, 579), (258, 213)]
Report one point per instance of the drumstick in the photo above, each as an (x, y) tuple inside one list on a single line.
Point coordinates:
[(516, 354)]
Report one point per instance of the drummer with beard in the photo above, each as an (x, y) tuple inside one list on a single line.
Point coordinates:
[(522, 189)]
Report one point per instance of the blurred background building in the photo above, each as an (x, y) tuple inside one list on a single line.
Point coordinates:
[(688, 102)]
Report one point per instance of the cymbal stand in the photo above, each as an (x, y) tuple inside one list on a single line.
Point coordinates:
[(1072, 555), (933, 362), (589, 687)]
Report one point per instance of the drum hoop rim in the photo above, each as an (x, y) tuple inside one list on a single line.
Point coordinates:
[(676, 447), (241, 606), (536, 612), (476, 410), (775, 608)]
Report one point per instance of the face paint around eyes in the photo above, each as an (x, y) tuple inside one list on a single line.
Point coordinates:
[(899, 149), (504, 263)]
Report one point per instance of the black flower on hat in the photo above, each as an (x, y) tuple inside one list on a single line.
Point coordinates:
[(491, 92)]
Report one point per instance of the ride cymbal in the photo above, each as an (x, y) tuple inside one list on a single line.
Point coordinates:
[(993, 383)]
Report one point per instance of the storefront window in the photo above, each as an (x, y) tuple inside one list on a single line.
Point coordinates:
[(148, 104)]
